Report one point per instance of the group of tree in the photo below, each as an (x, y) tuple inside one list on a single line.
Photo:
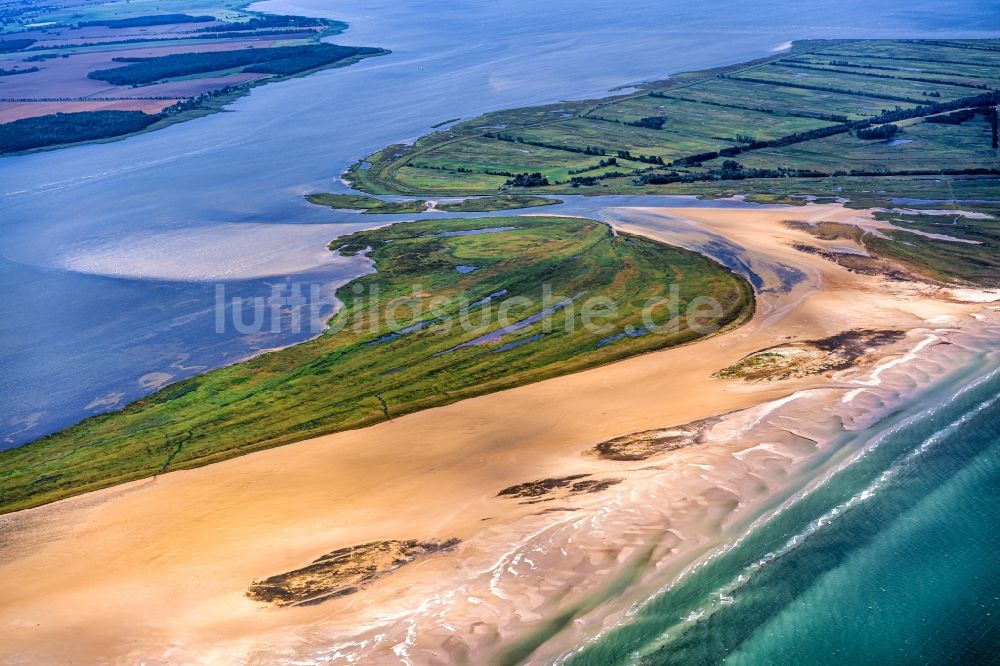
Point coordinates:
[(994, 120), (963, 115), (955, 117), (729, 171), (11, 45), (58, 128), (696, 159), (586, 181), (645, 159), (506, 136), (23, 70), (140, 21), (282, 60), (649, 122), (879, 132), (798, 113), (527, 180), (272, 21)]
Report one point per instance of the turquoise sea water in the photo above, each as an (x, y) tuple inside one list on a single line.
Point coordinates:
[(895, 559)]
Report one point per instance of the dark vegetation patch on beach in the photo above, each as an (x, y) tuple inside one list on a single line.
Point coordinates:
[(967, 251), (810, 357), (648, 443), (829, 231), (562, 487), (860, 264), (343, 571), (12, 45), (449, 344)]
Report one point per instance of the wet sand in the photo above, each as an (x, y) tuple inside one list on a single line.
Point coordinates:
[(158, 570)]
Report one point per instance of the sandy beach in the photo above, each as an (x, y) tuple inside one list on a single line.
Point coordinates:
[(157, 571)]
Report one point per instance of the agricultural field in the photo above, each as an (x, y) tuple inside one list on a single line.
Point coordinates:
[(823, 109), (170, 61), (457, 308), (862, 122)]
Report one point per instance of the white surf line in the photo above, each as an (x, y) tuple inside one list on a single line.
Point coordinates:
[(765, 409), (875, 379), (720, 551), (725, 595)]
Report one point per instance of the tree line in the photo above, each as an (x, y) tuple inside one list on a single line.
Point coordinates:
[(282, 60), (830, 89), (272, 21), (58, 128), (898, 77), (140, 21)]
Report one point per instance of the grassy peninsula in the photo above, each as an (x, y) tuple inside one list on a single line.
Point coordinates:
[(165, 67), (446, 282)]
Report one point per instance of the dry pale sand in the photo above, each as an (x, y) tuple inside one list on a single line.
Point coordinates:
[(157, 571)]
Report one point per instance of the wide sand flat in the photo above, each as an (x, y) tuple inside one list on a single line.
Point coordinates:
[(157, 570)]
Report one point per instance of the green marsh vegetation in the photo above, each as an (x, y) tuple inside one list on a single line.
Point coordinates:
[(370, 205), (487, 204), (373, 206), (417, 333)]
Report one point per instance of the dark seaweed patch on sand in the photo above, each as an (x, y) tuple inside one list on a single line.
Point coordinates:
[(342, 571), (810, 357), (545, 490), (648, 443)]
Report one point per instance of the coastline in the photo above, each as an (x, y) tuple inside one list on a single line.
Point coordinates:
[(276, 510)]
